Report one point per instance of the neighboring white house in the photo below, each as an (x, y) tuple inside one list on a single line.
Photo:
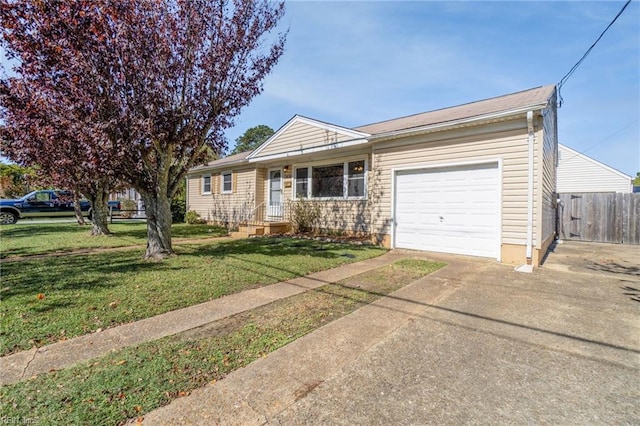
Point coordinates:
[(580, 173)]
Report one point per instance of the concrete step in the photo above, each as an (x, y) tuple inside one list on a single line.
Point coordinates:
[(247, 231)]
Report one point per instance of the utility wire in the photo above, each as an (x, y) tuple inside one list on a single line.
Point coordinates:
[(602, 141), (577, 64)]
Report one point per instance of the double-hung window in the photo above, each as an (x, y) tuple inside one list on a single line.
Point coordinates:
[(227, 183), (302, 183), (341, 180), (355, 179), (206, 184)]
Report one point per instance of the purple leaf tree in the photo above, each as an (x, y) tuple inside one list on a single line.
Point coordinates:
[(149, 85)]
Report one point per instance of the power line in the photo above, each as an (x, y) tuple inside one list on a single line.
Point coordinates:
[(602, 141), (577, 64)]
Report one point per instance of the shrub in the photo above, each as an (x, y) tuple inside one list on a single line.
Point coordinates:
[(178, 207), (179, 203), (193, 218), (304, 215)]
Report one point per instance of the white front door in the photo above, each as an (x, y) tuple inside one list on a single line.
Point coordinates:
[(275, 195), (451, 210)]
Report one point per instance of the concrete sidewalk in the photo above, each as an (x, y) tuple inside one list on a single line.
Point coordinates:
[(23, 365), (473, 343)]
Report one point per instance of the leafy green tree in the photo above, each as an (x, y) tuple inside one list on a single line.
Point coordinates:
[(252, 138), (636, 181), (15, 180)]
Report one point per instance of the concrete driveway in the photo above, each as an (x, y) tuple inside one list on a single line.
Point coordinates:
[(474, 343)]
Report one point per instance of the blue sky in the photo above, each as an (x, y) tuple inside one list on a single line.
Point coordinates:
[(353, 63)]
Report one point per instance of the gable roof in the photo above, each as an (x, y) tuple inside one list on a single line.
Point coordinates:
[(474, 112), (350, 133), (575, 153), (537, 97)]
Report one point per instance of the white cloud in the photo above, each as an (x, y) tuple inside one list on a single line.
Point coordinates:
[(355, 63)]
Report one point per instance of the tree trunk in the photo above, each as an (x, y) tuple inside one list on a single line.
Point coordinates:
[(100, 213), (77, 209), (158, 210)]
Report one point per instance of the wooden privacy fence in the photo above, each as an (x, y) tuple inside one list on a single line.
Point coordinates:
[(600, 216)]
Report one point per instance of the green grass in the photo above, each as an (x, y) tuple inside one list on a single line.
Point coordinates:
[(128, 383), (86, 292), (33, 239)]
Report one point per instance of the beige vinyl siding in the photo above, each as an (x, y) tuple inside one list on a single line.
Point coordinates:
[(237, 206), (547, 195), (299, 136), (348, 216), (576, 173), (260, 185), (197, 201), (502, 141)]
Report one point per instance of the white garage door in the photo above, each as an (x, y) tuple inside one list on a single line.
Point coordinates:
[(451, 210)]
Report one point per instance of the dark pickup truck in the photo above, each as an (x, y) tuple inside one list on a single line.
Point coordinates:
[(44, 203)]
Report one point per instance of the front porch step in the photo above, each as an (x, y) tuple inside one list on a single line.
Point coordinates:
[(248, 231), (265, 228)]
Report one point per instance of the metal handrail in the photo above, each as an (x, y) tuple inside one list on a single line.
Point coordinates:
[(253, 217), (269, 212)]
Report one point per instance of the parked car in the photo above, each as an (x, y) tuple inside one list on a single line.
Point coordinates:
[(44, 203)]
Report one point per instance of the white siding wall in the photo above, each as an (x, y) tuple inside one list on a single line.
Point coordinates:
[(579, 173)]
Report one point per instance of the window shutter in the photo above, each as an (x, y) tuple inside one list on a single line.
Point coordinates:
[(200, 182), (234, 181)]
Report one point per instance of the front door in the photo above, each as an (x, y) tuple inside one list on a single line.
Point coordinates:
[(275, 194)]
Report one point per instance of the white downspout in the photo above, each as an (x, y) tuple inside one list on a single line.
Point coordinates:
[(528, 266), (530, 192)]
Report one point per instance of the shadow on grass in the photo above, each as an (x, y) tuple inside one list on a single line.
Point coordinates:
[(270, 246), (104, 270), (614, 267), (39, 239), (178, 230), (66, 273), (42, 229)]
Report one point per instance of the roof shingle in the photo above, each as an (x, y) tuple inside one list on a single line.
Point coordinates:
[(226, 161), (531, 97)]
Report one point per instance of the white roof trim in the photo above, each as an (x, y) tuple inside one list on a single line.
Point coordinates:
[(300, 119), (454, 123), (333, 145), (594, 161)]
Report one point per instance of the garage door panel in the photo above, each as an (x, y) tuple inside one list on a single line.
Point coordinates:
[(453, 210)]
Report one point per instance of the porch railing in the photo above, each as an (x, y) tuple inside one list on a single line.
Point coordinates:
[(270, 212)]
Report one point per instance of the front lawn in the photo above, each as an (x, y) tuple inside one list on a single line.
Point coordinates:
[(131, 382), (51, 299), (32, 239)]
